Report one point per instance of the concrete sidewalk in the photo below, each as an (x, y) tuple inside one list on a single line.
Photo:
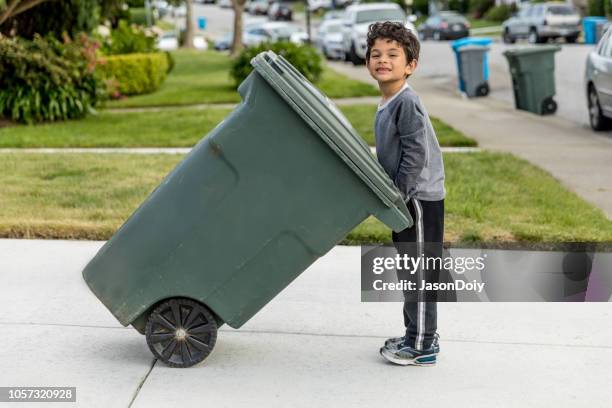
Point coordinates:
[(579, 158), (314, 345)]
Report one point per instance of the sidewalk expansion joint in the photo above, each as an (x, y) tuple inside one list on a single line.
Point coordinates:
[(142, 382)]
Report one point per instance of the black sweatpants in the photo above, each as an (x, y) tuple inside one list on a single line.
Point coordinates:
[(420, 317)]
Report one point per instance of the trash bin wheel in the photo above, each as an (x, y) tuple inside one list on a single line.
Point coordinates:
[(549, 106), (181, 332), (482, 89)]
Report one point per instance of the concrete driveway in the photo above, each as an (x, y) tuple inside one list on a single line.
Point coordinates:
[(314, 345)]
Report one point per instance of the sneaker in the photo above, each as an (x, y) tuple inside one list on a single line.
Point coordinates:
[(394, 342), (404, 355)]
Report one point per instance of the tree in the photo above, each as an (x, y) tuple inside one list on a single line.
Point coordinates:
[(237, 42), (189, 30), (189, 24), (11, 8), (49, 17)]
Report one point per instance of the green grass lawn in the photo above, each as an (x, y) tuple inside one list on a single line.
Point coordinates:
[(482, 23), (169, 128), (86, 196), (203, 77)]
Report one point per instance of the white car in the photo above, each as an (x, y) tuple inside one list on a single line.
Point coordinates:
[(179, 11), (168, 42), (272, 32), (315, 5), (357, 19), (225, 4), (257, 7), (329, 39)]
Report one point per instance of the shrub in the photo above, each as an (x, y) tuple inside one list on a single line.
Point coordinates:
[(47, 80), (303, 57), (480, 7), (460, 6), (138, 15), (135, 73), (54, 18), (128, 39), (596, 8), (420, 7), (499, 13)]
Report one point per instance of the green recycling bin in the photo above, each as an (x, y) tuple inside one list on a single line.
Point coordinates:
[(273, 187), (533, 78)]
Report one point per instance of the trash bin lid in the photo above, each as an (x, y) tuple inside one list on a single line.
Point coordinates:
[(326, 119), (463, 42), (594, 19), (521, 51), (472, 48)]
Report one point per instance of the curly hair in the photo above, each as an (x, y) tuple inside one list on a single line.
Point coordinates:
[(394, 31)]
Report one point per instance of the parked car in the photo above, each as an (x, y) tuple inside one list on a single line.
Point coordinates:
[(598, 83), (258, 7), (225, 3), (315, 5), (168, 42), (333, 15), (273, 31), (178, 11), (541, 22), (329, 39), (224, 42), (162, 7), (446, 25), (356, 20), (280, 11)]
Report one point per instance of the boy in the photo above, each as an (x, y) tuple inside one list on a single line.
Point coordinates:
[(408, 150)]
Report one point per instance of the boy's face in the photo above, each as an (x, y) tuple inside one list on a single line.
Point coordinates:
[(387, 62)]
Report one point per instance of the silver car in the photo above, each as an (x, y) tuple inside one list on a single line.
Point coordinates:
[(541, 22), (356, 21), (329, 39), (598, 83)]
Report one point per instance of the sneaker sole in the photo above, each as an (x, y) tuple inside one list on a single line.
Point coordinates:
[(423, 361)]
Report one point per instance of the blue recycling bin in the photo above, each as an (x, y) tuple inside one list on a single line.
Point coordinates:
[(589, 26), (465, 42), (202, 23)]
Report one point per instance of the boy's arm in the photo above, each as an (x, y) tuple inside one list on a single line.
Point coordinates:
[(411, 128)]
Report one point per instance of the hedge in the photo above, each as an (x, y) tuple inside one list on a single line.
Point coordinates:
[(136, 73)]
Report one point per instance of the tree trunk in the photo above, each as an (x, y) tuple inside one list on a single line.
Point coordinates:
[(14, 7), (189, 24), (237, 42)]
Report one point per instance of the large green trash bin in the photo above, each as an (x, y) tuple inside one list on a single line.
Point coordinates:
[(272, 188), (533, 78)]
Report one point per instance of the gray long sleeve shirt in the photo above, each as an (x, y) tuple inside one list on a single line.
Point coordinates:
[(407, 147)]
